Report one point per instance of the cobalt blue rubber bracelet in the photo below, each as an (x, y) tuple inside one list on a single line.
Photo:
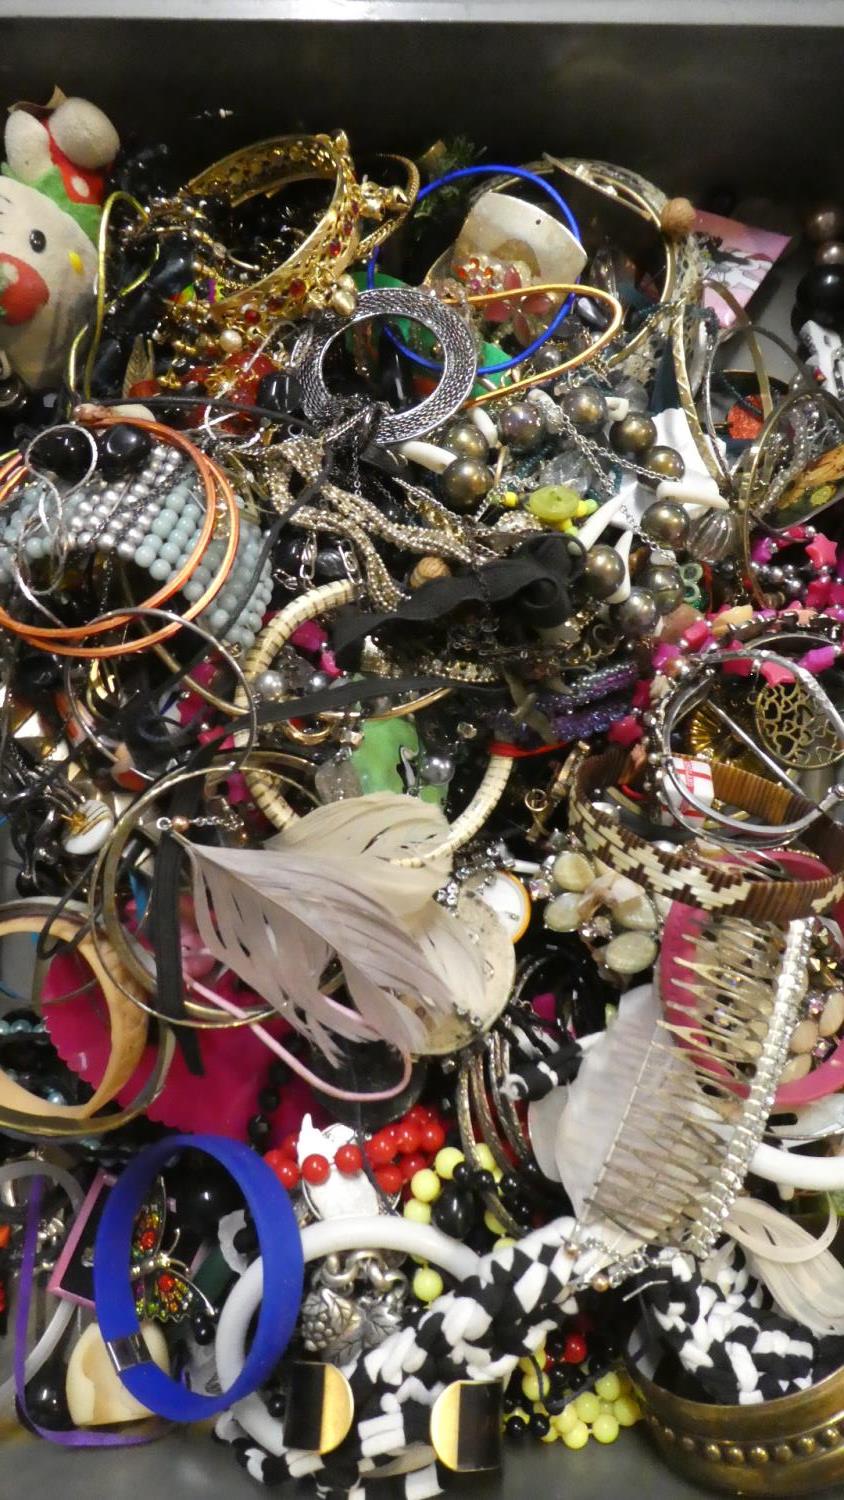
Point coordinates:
[(490, 171), (279, 1244)]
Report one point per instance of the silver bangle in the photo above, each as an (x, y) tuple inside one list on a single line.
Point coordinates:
[(459, 362)]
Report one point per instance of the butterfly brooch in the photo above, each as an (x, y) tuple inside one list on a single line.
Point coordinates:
[(162, 1285)]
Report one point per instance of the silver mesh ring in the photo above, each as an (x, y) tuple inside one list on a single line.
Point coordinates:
[(459, 362)]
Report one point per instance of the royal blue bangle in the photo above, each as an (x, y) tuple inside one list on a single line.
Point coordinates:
[(279, 1244), (491, 171)]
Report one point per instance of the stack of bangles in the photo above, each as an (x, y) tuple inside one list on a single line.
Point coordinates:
[(422, 728)]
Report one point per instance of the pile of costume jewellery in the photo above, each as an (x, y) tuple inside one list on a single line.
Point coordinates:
[(423, 979)]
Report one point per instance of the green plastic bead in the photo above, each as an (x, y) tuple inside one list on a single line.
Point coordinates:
[(418, 1213), (446, 1160), (588, 1407), (427, 1284), (426, 1186), (605, 1428), (608, 1387), (533, 1389), (554, 503), (626, 1411), (576, 1436), (565, 1420)]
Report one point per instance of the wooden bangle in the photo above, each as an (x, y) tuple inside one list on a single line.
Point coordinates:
[(680, 876), (27, 1113)]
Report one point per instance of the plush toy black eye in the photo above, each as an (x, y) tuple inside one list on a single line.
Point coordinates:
[(38, 241)]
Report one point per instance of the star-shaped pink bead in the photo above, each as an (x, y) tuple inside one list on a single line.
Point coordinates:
[(822, 551)]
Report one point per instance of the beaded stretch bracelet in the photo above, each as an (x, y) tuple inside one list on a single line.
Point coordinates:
[(218, 493)]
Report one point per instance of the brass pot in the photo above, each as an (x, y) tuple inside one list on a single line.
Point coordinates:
[(790, 1446)]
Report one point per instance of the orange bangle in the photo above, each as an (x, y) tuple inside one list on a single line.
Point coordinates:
[(172, 586), (216, 486)]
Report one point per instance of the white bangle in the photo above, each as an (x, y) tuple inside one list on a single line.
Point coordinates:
[(49, 1340), (329, 1237), (817, 1174)]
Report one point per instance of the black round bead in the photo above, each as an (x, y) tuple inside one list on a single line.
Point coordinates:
[(555, 1404), (509, 1186), (45, 1399), (516, 1429), (483, 1182), (509, 1403), (65, 452), (276, 1404), (37, 674), (123, 448), (203, 1328), (258, 1130), (454, 1213), (278, 392), (820, 295), (13, 394), (279, 1073), (539, 1425), (462, 1174), (203, 1192), (174, 268), (558, 1382), (330, 565), (268, 1101)]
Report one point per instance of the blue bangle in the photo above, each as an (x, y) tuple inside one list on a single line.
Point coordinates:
[(280, 1246), (491, 171)]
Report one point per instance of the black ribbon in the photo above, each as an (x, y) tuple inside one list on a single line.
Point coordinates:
[(536, 578)]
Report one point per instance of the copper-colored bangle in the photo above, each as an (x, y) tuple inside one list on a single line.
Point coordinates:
[(216, 486)]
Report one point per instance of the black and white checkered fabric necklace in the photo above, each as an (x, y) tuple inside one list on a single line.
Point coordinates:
[(478, 1332), (724, 1328)]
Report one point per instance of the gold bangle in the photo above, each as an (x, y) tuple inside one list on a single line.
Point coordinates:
[(502, 391), (307, 278), (618, 184), (198, 1016)]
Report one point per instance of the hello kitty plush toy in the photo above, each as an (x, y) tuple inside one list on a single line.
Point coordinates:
[(51, 193)]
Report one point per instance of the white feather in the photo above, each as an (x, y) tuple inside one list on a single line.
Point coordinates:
[(330, 887), (802, 1275)]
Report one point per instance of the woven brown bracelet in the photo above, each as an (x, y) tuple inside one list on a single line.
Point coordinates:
[(681, 875)]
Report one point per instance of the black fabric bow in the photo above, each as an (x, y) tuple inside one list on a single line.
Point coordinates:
[(537, 577)]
